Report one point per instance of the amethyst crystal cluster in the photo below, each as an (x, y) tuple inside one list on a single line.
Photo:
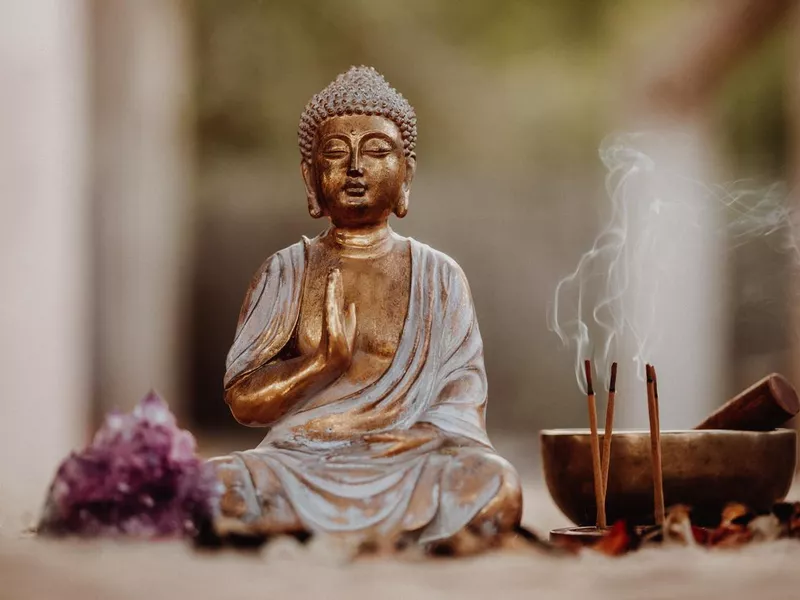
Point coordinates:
[(139, 477)]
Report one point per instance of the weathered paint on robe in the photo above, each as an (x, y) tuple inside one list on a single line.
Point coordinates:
[(340, 483)]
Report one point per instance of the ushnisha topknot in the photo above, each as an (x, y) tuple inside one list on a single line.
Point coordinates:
[(360, 90)]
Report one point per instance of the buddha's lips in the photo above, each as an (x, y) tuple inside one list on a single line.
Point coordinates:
[(354, 188)]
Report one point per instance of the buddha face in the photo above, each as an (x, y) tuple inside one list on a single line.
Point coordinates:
[(359, 174)]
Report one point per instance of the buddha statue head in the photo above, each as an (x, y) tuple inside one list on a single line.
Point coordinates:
[(357, 140)]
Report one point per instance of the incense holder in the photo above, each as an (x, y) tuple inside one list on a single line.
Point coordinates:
[(701, 469), (584, 536)]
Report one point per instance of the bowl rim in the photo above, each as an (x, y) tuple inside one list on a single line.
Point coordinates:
[(584, 431)]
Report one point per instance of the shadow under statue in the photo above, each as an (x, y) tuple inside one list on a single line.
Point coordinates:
[(360, 350)]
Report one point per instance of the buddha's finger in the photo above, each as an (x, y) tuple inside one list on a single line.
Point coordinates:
[(334, 319), (339, 289), (326, 308), (350, 324), (338, 326), (334, 299), (329, 306), (330, 288), (333, 293)]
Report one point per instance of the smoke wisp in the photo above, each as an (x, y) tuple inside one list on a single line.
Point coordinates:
[(656, 216)]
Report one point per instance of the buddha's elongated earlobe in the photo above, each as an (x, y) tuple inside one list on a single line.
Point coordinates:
[(401, 208), (314, 208)]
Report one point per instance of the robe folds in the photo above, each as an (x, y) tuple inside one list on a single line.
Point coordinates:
[(343, 483)]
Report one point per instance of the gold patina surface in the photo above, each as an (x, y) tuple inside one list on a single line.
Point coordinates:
[(360, 350)]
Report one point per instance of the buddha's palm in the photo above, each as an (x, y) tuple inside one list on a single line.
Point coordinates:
[(338, 327)]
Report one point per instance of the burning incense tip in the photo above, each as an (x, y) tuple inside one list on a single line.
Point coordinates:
[(648, 370), (612, 384), (655, 381), (587, 367)]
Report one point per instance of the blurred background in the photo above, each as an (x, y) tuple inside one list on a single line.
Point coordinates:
[(149, 164)]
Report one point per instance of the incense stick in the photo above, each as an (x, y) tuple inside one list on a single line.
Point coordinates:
[(606, 458), (655, 446), (596, 469), (655, 401), (661, 502)]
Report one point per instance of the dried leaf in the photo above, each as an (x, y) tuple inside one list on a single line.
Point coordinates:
[(767, 528), (734, 513), (620, 539), (700, 534), (677, 528)]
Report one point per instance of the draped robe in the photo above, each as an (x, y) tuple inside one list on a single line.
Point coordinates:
[(343, 483)]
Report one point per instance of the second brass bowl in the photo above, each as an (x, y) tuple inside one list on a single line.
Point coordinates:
[(703, 469)]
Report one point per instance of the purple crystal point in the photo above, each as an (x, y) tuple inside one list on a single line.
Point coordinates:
[(140, 476)]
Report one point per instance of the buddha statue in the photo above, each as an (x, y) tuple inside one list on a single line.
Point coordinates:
[(360, 350)]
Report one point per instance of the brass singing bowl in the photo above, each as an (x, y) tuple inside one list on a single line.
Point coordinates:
[(702, 469)]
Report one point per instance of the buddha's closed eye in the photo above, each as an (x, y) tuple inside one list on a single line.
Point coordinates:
[(377, 147), (335, 149)]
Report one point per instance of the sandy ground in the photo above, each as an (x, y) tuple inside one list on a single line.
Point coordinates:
[(33, 568)]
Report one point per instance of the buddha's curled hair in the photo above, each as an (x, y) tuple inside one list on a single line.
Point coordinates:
[(360, 90)]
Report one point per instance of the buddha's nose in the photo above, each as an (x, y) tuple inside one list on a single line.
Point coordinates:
[(355, 170)]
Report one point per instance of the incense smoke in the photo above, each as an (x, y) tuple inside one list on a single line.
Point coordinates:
[(652, 209)]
